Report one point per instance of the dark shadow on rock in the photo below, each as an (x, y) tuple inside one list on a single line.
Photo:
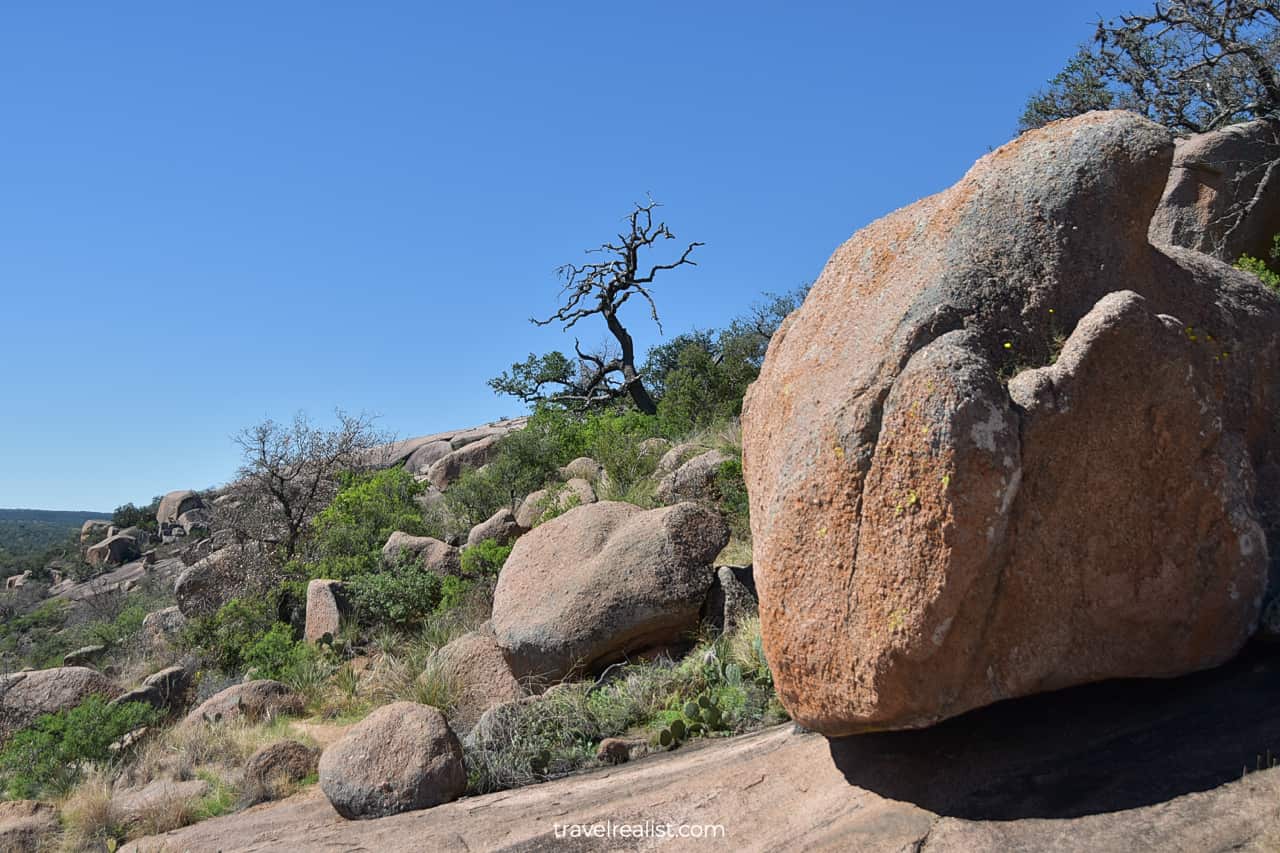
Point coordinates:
[(1087, 750)]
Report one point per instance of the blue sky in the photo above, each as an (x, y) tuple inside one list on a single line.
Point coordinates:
[(215, 213)]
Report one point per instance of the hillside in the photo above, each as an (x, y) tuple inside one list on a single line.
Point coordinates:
[(26, 535)]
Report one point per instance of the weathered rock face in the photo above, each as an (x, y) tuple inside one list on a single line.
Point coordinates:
[(113, 551), (400, 758), (471, 454), (432, 554), (214, 580), (1223, 196), (602, 581), (928, 541), (252, 700), (483, 676), (421, 460), (24, 696)]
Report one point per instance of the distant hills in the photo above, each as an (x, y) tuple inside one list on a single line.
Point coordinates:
[(28, 536)]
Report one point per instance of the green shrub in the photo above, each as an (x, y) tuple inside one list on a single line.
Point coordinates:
[(351, 530), (733, 497), (1261, 268), (49, 756), (402, 598), (224, 638), (485, 558), (277, 654), (129, 515)]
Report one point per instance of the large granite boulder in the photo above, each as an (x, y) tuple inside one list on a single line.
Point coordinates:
[(1223, 196), (928, 540), (113, 551), (400, 758), (176, 504), (604, 581), (325, 606), (435, 556), (421, 460), (25, 696)]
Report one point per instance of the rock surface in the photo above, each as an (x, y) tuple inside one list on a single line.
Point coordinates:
[(1222, 197), (161, 627), (470, 455), (926, 541), (24, 696), (26, 826), (603, 581), (402, 757), (1074, 772), (94, 530), (252, 700), (165, 690), (575, 492)]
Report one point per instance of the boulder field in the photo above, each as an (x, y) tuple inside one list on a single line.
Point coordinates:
[(1008, 444)]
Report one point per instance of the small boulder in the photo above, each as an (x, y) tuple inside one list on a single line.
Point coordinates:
[(324, 610), (195, 521), (695, 480), (24, 696), (584, 468), (400, 758), (502, 526), (153, 804), (604, 581), (253, 700), (435, 556), (284, 761), (677, 456), (483, 676)]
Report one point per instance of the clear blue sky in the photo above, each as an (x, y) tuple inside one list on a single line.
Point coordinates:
[(213, 213)]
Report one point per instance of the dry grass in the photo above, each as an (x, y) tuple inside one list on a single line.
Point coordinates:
[(88, 820)]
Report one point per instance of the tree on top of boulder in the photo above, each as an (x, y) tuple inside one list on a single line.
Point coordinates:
[(599, 288), (1191, 65)]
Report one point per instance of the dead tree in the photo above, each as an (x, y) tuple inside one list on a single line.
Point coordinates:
[(289, 473), (599, 288)]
